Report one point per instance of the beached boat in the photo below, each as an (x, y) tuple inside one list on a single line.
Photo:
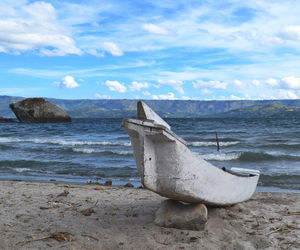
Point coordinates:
[(168, 167)]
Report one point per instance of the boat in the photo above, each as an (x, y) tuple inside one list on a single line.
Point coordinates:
[(169, 168)]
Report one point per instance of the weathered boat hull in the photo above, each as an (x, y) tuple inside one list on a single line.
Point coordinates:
[(169, 168)]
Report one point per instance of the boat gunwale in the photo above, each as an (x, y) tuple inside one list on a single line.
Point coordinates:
[(151, 124)]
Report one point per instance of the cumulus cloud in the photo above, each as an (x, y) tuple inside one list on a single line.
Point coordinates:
[(67, 82), (176, 84), (155, 29), (272, 82), (239, 84), (35, 26), (287, 94), (115, 86), (291, 82), (137, 86), (168, 96), (210, 84), (112, 48)]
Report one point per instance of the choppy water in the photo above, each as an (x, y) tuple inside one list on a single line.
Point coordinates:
[(100, 149)]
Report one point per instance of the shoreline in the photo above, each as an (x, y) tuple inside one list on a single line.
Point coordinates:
[(120, 183), (41, 215)]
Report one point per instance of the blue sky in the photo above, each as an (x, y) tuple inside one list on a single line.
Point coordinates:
[(199, 50)]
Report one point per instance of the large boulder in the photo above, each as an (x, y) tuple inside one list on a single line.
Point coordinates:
[(175, 214), (38, 110)]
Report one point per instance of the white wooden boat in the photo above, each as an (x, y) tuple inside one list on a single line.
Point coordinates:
[(168, 167)]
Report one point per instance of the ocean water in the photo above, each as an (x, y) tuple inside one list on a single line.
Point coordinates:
[(99, 149)]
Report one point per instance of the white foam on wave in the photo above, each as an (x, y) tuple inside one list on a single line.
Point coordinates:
[(80, 143), (21, 170), (8, 139), (221, 156), (94, 151), (65, 142), (209, 143)]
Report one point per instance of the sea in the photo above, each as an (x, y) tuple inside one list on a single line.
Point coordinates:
[(97, 150)]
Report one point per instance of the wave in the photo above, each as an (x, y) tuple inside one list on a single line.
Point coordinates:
[(209, 143), (9, 139), (95, 151), (22, 170), (65, 142), (286, 146), (36, 165), (221, 156), (262, 156), (250, 156), (111, 172), (5, 147), (280, 180)]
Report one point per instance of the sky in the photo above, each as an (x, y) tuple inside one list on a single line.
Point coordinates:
[(150, 49)]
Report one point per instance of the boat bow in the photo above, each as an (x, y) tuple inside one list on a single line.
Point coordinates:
[(168, 167)]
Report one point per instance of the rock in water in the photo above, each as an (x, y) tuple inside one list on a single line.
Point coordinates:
[(38, 110), (183, 216), (2, 120)]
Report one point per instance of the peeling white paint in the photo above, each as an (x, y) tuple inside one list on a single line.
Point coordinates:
[(169, 168)]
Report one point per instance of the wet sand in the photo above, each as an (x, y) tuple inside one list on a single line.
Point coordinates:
[(88, 216)]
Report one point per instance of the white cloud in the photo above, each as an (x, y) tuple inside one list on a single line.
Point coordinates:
[(176, 84), (291, 32), (272, 82), (256, 83), (291, 82), (206, 91), (168, 96), (210, 84), (94, 52), (146, 93), (239, 84), (98, 96), (287, 94), (35, 27), (112, 48), (67, 82), (153, 28), (115, 86), (233, 97), (137, 86)]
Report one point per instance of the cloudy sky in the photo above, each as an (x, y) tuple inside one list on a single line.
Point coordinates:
[(150, 49)]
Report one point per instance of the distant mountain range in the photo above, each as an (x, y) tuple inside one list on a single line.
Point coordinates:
[(85, 108), (265, 110)]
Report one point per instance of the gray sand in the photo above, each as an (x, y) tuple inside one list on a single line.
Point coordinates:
[(71, 216)]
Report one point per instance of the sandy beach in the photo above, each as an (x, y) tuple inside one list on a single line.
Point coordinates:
[(89, 216)]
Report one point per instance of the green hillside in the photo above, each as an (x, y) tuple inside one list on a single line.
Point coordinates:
[(262, 110), (85, 108)]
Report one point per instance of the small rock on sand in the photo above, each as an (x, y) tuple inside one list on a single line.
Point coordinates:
[(175, 214), (128, 185), (108, 183)]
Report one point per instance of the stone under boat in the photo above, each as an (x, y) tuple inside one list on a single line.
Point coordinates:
[(168, 167), (38, 110)]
